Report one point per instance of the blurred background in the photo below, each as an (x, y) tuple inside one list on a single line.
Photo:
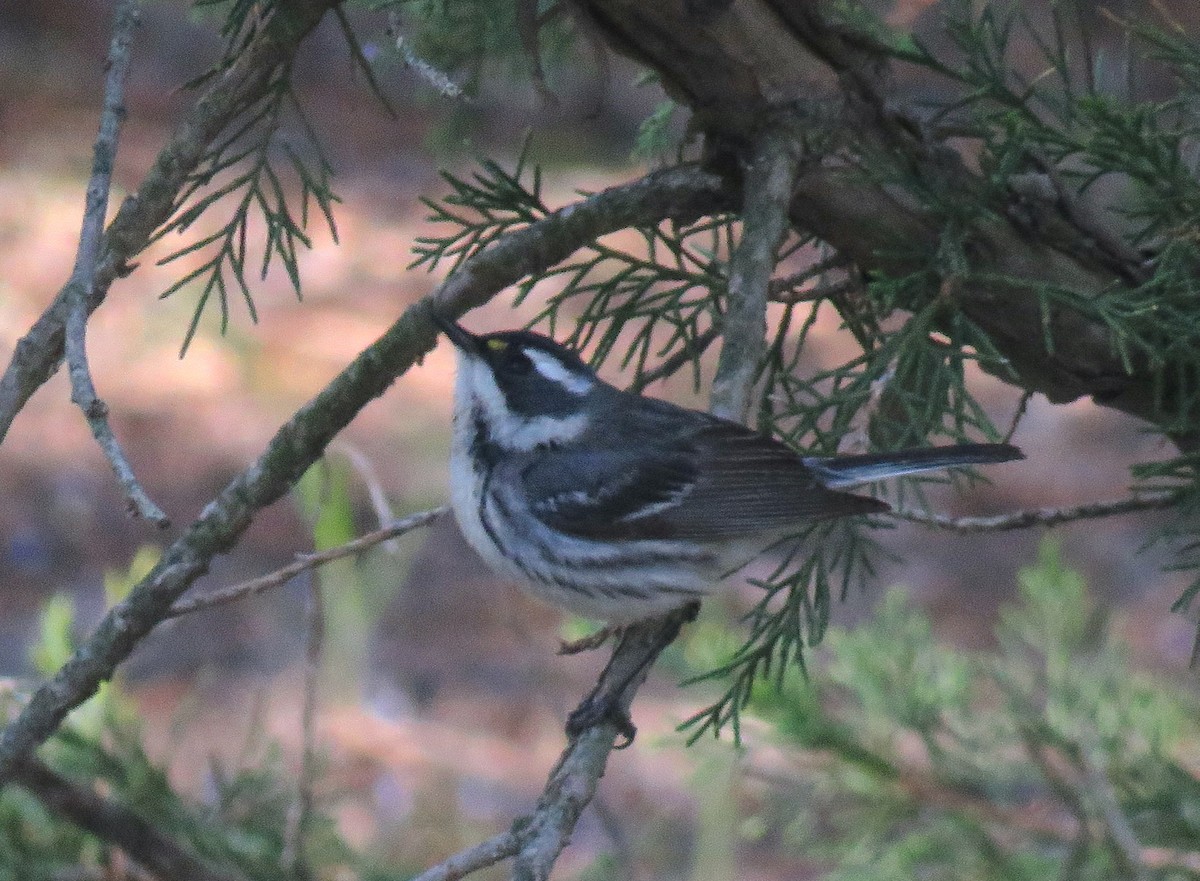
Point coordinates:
[(442, 700)]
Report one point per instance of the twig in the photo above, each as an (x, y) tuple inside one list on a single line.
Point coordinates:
[(114, 823), (291, 859), (284, 574), (1122, 258), (441, 83), (811, 295), (83, 277), (375, 492), (38, 354), (486, 853), (770, 176), (782, 287), (1040, 516), (690, 352), (680, 193), (1018, 415)]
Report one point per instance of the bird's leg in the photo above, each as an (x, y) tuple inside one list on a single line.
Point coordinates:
[(591, 641), (603, 703)]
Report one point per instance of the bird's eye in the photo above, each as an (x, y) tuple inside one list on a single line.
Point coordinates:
[(516, 361)]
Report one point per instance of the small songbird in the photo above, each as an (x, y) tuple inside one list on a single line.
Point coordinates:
[(622, 507)]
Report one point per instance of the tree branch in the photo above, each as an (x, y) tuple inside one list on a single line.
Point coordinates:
[(770, 177), (748, 59), (680, 193), (572, 783), (38, 354), (114, 823), (284, 574), (486, 853), (1040, 516), (83, 277)]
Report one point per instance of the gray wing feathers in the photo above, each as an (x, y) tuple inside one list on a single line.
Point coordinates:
[(721, 481)]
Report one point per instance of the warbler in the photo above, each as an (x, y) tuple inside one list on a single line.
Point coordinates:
[(622, 507)]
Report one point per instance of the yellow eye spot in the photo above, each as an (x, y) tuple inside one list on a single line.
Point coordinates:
[(497, 345)]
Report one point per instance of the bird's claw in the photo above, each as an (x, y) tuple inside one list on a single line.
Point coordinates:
[(599, 710), (589, 642)]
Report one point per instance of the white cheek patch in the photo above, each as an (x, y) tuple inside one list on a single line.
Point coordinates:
[(550, 367), (476, 385)]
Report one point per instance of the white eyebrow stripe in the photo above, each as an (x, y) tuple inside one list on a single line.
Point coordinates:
[(551, 368)]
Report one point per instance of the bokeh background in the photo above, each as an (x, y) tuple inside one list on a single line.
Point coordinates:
[(442, 698)]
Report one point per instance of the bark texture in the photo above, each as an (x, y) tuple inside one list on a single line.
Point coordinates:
[(739, 64)]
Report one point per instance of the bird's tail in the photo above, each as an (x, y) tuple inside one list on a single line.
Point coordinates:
[(837, 472)]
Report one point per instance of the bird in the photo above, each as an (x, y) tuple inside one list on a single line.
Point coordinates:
[(619, 506)]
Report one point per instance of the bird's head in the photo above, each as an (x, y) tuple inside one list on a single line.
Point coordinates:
[(527, 390)]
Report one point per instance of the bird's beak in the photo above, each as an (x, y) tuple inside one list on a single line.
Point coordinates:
[(462, 338)]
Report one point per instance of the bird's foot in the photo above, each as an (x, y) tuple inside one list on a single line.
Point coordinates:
[(589, 642), (600, 709)]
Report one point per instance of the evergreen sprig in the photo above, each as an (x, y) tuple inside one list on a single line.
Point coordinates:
[(247, 165), (1072, 115), (824, 560), (1049, 756), (478, 211)]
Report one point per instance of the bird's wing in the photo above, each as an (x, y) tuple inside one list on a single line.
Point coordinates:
[(719, 481)]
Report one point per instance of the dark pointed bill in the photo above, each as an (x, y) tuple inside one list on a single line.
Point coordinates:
[(456, 333)]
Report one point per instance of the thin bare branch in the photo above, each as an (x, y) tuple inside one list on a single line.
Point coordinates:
[(1018, 415), (284, 574), (441, 83), (486, 853), (770, 177), (292, 856), (83, 277), (1040, 516), (113, 822)]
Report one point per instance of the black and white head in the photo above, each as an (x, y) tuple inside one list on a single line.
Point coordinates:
[(526, 388)]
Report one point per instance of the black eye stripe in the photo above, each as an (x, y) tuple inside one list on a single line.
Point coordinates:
[(517, 361)]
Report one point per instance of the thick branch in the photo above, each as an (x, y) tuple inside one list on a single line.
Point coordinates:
[(769, 178), (114, 823), (39, 353), (736, 64), (679, 193)]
